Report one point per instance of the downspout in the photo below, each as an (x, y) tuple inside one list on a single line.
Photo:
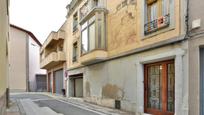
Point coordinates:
[(27, 63), (187, 36)]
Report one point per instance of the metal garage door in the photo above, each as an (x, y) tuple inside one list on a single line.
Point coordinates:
[(201, 81), (79, 87), (41, 82), (58, 76), (76, 86)]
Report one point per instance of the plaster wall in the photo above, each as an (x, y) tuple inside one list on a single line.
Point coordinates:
[(34, 63), (194, 75), (122, 79), (18, 60), (4, 37), (125, 27), (196, 42)]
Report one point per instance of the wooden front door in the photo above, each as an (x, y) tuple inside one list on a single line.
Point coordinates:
[(159, 85)]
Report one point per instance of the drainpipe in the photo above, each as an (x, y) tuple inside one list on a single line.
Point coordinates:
[(187, 21)]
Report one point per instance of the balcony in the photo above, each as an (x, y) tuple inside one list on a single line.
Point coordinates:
[(52, 60), (53, 38), (157, 24), (94, 56), (91, 8)]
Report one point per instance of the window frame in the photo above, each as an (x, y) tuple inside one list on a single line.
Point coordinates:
[(164, 89), (88, 39), (162, 20), (75, 22), (75, 52)]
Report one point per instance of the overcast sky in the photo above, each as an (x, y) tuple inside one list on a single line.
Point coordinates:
[(38, 16)]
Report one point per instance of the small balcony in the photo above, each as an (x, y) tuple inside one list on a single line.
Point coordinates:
[(157, 24), (91, 8), (52, 60), (53, 38), (94, 56)]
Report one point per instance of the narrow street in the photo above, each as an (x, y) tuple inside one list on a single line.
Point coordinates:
[(39, 104), (56, 105)]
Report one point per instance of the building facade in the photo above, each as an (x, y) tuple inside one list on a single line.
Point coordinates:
[(53, 60), (128, 54), (24, 70), (196, 57), (4, 37)]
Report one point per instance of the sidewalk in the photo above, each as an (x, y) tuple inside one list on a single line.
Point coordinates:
[(13, 109), (85, 105), (77, 102)]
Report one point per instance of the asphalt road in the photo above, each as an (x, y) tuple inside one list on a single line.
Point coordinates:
[(56, 105), (64, 108)]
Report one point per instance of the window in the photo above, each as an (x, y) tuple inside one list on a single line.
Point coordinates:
[(157, 15), (75, 52), (93, 27), (75, 22), (88, 35), (159, 88)]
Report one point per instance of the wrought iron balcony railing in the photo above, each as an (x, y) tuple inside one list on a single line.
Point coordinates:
[(157, 24)]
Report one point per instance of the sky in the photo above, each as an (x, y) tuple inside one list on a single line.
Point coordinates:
[(38, 16)]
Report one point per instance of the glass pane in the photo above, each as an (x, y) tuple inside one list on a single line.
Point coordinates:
[(100, 42), (165, 4), (92, 19), (154, 87), (92, 36), (171, 82), (84, 25), (154, 11), (101, 26), (75, 52), (84, 41)]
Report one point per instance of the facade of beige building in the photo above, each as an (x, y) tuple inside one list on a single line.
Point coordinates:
[(125, 54), (24, 69), (4, 37), (128, 54)]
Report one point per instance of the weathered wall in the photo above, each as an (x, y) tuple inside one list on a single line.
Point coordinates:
[(125, 27), (122, 79), (195, 42), (120, 21), (18, 59), (194, 75), (4, 25)]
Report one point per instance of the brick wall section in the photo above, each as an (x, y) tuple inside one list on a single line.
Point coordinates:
[(3, 104)]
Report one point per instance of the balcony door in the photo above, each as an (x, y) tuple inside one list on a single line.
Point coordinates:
[(159, 88)]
